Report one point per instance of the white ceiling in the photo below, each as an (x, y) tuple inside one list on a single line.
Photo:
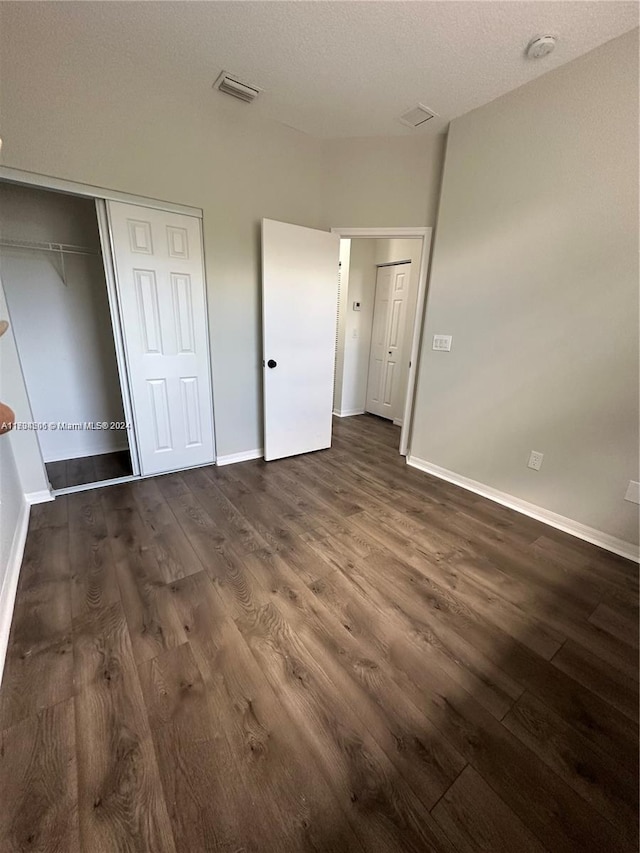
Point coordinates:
[(338, 69)]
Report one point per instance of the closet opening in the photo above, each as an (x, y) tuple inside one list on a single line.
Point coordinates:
[(53, 274)]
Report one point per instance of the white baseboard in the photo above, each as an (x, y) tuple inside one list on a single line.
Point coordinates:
[(347, 413), (38, 497), (10, 582), (560, 522), (397, 421), (245, 456)]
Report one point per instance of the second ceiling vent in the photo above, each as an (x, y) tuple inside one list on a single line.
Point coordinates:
[(417, 116), (230, 85)]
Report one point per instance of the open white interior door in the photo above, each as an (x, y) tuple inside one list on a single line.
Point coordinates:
[(161, 294), (299, 313)]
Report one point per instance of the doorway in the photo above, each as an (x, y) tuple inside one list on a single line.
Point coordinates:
[(380, 312)]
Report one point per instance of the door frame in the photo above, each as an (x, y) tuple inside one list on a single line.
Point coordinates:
[(101, 196), (104, 231), (62, 185), (425, 235)]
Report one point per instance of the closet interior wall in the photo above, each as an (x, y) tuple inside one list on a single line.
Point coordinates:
[(59, 311)]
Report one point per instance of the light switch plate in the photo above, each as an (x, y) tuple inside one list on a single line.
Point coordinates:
[(633, 492), (442, 343)]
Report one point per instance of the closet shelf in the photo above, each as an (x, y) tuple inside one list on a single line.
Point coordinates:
[(60, 248)]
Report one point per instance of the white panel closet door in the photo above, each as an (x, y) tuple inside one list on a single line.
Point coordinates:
[(384, 385), (299, 314), (161, 293)]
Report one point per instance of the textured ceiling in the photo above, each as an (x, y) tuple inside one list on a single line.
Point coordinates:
[(336, 69)]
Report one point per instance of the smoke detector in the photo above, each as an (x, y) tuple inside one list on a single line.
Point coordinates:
[(418, 116), (540, 46), (230, 85)]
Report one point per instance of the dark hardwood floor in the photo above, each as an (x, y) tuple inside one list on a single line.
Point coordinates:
[(89, 469), (332, 652)]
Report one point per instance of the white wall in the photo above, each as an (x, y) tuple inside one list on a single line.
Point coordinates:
[(73, 108), (535, 274), (357, 326), (11, 502), (343, 294), (11, 498), (13, 520), (21, 470), (23, 444), (61, 323)]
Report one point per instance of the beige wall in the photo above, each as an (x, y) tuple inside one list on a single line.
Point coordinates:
[(535, 274), (382, 183)]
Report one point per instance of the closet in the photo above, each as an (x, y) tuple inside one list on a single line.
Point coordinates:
[(108, 304), (53, 276)]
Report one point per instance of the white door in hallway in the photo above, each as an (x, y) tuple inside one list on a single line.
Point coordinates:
[(299, 315), (384, 384), (160, 283)]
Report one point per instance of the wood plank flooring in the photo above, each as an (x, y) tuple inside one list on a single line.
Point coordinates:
[(332, 652), (89, 469)]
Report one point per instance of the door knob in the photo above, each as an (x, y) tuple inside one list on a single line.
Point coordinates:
[(272, 363)]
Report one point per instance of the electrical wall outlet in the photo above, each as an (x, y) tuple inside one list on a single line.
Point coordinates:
[(633, 492), (535, 460), (442, 343)]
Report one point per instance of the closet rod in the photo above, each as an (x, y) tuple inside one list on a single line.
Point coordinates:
[(60, 248)]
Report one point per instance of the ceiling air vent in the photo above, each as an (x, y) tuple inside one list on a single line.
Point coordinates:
[(231, 86), (417, 116)]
